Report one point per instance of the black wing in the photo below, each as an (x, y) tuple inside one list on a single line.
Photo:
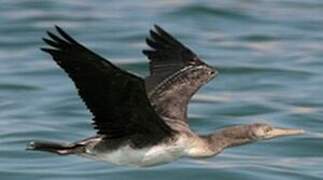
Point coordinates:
[(176, 73), (116, 98)]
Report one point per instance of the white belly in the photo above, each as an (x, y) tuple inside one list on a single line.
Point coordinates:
[(140, 157)]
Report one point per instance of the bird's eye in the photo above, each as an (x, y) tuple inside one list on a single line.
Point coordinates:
[(268, 129)]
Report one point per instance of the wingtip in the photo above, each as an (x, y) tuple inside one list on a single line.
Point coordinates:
[(147, 39), (60, 30), (145, 52), (152, 33), (156, 26), (159, 29), (43, 49), (156, 29), (52, 35), (48, 50), (148, 53), (163, 33), (49, 33), (47, 41), (66, 36), (151, 43), (57, 27)]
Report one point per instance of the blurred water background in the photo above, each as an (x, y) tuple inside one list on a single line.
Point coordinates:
[(268, 53)]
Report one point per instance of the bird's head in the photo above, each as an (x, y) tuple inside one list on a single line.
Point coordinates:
[(260, 131)]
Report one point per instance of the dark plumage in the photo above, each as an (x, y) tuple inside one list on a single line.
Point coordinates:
[(116, 98), (143, 122)]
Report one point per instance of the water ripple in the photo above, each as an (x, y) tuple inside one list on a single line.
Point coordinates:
[(269, 57)]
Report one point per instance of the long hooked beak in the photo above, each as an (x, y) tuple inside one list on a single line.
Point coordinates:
[(278, 132)]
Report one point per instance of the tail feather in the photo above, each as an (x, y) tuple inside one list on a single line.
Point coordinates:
[(52, 147)]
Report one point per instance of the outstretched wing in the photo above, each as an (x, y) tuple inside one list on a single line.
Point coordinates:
[(176, 73), (116, 98), (167, 56)]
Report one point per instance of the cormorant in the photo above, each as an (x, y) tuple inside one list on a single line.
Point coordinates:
[(143, 122)]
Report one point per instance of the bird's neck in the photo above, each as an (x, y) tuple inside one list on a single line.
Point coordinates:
[(228, 137)]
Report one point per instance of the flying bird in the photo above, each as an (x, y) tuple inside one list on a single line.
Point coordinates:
[(143, 122)]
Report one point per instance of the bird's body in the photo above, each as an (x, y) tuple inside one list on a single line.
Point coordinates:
[(127, 155), (143, 122), (99, 149)]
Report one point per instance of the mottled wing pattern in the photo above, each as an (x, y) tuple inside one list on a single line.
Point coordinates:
[(167, 56), (116, 98), (176, 73)]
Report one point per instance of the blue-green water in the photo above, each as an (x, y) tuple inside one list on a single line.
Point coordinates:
[(269, 55)]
